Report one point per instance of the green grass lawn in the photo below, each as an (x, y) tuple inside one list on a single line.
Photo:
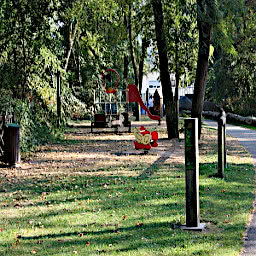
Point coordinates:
[(127, 215)]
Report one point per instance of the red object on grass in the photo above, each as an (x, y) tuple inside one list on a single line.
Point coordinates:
[(152, 143), (154, 135), (141, 146)]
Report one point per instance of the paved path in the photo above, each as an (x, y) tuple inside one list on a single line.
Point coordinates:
[(247, 138)]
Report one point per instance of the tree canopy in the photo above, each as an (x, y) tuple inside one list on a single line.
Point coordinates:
[(80, 38)]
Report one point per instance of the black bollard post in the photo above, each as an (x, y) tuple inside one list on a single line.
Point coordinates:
[(192, 176), (222, 162)]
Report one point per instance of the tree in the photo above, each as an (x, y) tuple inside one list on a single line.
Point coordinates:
[(232, 80), (217, 22), (182, 42), (205, 16), (170, 106)]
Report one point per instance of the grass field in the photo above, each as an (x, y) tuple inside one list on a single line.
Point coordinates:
[(94, 195)]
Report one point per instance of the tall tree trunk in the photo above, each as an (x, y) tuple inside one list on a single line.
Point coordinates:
[(125, 74), (177, 81), (134, 65), (130, 32), (169, 102), (205, 30), (176, 100), (144, 47)]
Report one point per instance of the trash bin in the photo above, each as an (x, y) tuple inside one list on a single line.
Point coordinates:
[(11, 139)]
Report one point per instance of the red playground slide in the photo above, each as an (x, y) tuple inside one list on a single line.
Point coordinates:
[(134, 96)]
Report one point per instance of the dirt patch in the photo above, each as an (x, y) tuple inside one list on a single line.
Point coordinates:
[(84, 153)]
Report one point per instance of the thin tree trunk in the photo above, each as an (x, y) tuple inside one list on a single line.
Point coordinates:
[(145, 44), (177, 82), (164, 72), (76, 54), (205, 30), (130, 32), (24, 82), (15, 71), (125, 73), (176, 101), (72, 36)]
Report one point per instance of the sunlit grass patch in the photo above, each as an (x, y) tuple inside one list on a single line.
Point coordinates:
[(127, 208)]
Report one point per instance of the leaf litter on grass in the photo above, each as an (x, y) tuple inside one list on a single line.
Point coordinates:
[(82, 192)]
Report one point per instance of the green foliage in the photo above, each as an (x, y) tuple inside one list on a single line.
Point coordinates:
[(182, 38), (80, 38), (6, 101), (35, 126), (232, 76)]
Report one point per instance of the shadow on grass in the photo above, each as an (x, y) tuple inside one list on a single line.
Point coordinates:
[(155, 165), (232, 173), (135, 228), (154, 203)]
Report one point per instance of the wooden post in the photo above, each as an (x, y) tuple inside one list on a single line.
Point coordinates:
[(222, 162), (58, 85), (192, 176)]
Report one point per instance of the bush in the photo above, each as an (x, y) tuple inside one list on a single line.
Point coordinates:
[(241, 106), (36, 129)]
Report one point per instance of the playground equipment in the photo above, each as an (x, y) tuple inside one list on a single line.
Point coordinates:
[(111, 105), (145, 139), (134, 96)]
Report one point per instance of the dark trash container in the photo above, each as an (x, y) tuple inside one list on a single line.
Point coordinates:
[(11, 138)]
